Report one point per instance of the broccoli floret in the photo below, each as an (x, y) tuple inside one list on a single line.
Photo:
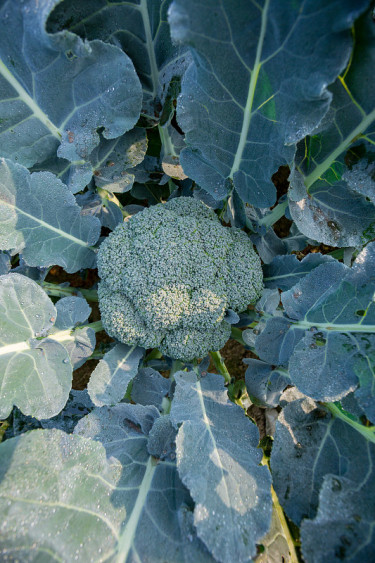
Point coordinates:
[(170, 273)]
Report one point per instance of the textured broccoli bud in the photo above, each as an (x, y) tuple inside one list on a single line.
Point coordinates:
[(170, 273)]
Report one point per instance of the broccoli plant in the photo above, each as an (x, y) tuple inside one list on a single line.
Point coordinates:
[(187, 258)]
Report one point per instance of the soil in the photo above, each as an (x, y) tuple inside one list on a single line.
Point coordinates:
[(280, 181)]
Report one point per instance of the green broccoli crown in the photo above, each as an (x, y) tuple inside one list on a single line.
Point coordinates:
[(170, 273)]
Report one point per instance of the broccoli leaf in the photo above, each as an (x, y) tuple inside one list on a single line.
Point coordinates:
[(57, 90), (4, 263), (323, 475), (44, 512), (112, 159), (141, 29), (127, 511), (265, 385), (73, 311), (156, 502), (256, 85), (150, 388), (110, 378), (95, 205), (40, 218), (109, 163), (344, 526), (218, 460), (162, 439), (326, 202), (328, 338), (35, 375)]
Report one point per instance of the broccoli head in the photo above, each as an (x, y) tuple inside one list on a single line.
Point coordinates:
[(169, 275)]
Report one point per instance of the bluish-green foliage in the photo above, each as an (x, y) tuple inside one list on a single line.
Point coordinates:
[(169, 276), (159, 140)]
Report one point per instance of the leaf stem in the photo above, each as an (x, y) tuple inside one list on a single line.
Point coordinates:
[(58, 291), (367, 432), (177, 365), (236, 334), (153, 355), (276, 214), (283, 522), (220, 366)]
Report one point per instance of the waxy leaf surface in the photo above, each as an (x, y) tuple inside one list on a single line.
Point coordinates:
[(256, 85), (57, 90), (328, 334), (218, 461), (35, 375), (140, 27), (40, 218), (156, 502), (329, 200), (323, 474), (110, 378)]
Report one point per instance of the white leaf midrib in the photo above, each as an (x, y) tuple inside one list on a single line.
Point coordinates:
[(29, 101), (251, 93), (126, 540)]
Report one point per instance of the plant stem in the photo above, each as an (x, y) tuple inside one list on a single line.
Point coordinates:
[(367, 432), (58, 291), (276, 214), (220, 366), (166, 405), (177, 365), (236, 334), (66, 335), (96, 355), (153, 355), (109, 196), (281, 516), (166, 141)]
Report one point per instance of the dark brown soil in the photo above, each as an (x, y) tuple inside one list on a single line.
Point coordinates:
[(233, 354), (84, 279), (280, 181), (322, 248)]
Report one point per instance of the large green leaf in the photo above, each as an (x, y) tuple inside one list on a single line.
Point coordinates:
[(140, 27), (218, 461), (158, 524), (56, 90), (343, 529), (40, 218), (329, 202), (35, 375), (323, 472), (67, 498), (257, 84), (62, 504)]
